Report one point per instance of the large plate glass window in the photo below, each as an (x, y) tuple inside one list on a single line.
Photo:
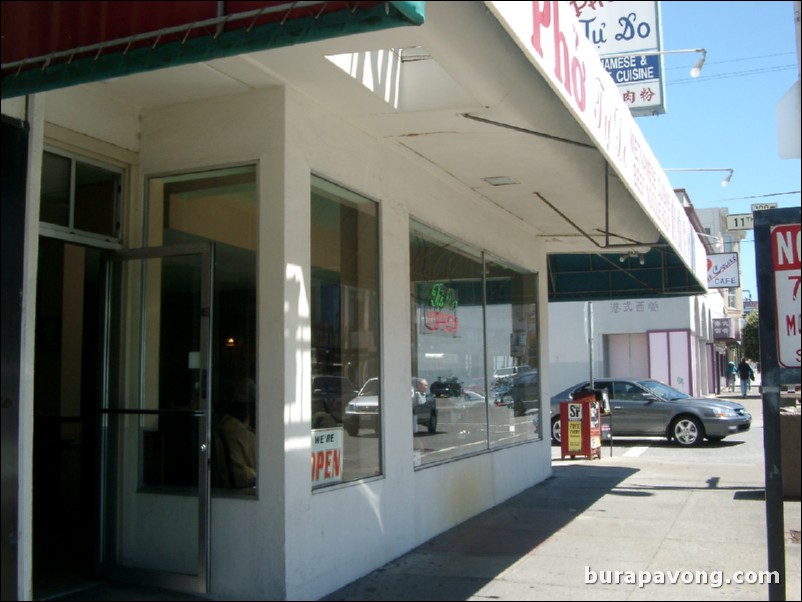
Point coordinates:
[(448, 345), (474, 349), (345, 382)]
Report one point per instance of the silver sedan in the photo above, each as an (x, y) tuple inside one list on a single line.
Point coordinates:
[(647, 407)]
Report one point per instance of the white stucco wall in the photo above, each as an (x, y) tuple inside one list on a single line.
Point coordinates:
[(316, 542), (569, 354)]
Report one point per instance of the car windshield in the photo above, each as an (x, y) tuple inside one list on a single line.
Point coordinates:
[(663, 390), (370, 388)]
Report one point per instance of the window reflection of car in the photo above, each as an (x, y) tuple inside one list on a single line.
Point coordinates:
[(330, 393), (526, 393), (477, 385), (647, 407), (472, 402), (363, 411), (502, 373), (502, 394), (446, 387)]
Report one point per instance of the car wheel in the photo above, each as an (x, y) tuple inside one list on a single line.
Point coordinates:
[(555, 430), (687, 431), (351, 428), (432, 424)]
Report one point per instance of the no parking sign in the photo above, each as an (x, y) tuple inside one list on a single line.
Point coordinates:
[(786, 242)]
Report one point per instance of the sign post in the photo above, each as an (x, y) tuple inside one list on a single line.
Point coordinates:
[(777, 251)]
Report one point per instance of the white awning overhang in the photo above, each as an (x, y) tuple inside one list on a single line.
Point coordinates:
[(475, 92), (550, 36)]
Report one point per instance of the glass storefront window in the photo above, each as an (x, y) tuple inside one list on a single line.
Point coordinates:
[(474, 349), (346, 386), (218, 206), (512, 344)]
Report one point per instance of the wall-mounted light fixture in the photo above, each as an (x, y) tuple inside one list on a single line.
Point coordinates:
[(724, 182), (713, 237), (718, 241), (695, 71), (632, 255)]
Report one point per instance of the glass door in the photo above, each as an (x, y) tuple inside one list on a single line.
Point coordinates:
[(155, 421)]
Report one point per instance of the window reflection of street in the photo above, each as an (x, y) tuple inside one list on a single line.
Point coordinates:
[(465, 431), (359, 455), (474, 337)]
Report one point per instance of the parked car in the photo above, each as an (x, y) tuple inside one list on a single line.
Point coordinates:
[(446, 387), (647, 407), (330, 393), (469, 406), (526, 393), (364, 410)]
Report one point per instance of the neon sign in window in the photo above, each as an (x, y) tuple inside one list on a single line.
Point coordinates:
[(440, 312)]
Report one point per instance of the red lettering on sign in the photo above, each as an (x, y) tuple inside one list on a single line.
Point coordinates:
[(568, 69), (336, 457), (786, 247), (328, 462)]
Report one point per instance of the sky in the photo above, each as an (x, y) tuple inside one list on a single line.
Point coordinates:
[(726, 118)]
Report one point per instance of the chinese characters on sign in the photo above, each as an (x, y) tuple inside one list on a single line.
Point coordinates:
[(627, 38), (639, 307)]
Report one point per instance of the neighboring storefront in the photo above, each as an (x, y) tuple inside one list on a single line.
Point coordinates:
[(671, 340), (335, 244)]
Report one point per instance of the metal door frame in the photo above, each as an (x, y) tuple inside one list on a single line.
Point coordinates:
[(200, 582)]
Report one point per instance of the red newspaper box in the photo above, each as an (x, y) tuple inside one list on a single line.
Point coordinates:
[(580, 424)]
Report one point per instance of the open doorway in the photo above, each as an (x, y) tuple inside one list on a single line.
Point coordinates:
[(66, 394)]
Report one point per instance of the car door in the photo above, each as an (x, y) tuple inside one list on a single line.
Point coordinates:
[(637, 411)]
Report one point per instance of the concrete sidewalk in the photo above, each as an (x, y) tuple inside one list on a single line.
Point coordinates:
[(632, 513), (645, 508)]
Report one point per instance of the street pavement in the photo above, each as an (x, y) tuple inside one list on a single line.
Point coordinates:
[(694, 519)]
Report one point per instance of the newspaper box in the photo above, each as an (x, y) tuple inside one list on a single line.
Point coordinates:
[(580, 424)]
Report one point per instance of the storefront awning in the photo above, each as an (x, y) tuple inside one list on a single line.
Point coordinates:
[(489, 95), (49, 45), (554, 41), (591, 277)]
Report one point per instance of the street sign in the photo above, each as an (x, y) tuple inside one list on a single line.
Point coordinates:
[(762, 206), (739, 221), (785, 252)]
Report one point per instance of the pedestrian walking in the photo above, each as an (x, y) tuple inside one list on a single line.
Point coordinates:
[(747, 375), (730, 376)]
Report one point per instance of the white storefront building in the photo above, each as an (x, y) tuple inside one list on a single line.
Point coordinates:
[(238, 222)]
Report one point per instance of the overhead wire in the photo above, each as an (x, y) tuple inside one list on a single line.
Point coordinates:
[(733, 74)]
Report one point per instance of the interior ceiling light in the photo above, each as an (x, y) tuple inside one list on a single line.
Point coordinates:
[(500, 180)]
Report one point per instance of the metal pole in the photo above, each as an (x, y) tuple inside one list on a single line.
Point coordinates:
[(590, 339)]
